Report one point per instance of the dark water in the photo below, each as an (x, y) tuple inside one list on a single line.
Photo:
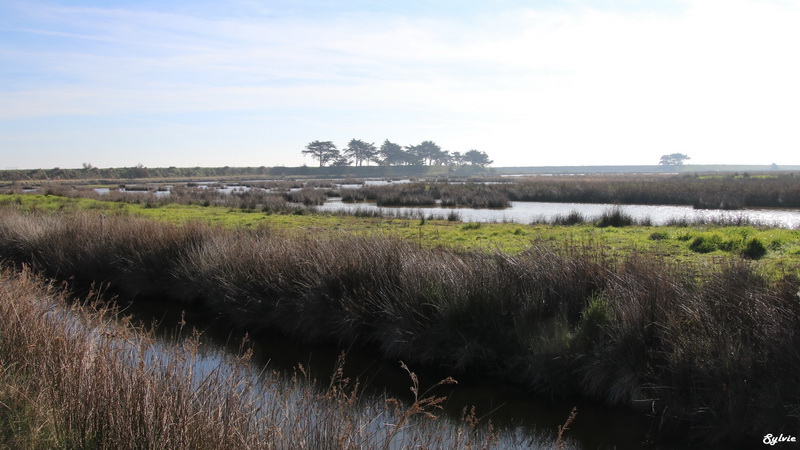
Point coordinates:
[(507, 406)]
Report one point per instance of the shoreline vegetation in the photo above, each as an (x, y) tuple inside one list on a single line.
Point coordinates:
[(78, 375), (702, 191), (707, 347)]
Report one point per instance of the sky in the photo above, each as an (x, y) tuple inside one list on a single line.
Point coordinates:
[(532, 83)]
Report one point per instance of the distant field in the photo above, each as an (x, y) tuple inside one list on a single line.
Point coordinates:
[(216, 173), (688, 168)]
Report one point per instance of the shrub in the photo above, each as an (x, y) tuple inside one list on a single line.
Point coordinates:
[(702, 244), (573, 218), (658, 236), (754, 249)]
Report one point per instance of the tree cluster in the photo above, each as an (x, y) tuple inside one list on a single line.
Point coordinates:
[(359, 152), (674, 159)]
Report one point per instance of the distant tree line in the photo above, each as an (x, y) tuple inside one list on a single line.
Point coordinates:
[(111, 175), (359, 153), (89, 172)]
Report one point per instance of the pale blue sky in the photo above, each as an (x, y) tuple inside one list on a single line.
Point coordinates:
[(250, 83)]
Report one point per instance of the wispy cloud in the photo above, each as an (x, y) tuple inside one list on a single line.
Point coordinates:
[(704, 74)]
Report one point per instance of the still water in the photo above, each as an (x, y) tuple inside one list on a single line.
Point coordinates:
[(508, 407), (527, 212)]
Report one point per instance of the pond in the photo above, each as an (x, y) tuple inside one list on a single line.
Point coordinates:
[(158, 192), (528, 212)]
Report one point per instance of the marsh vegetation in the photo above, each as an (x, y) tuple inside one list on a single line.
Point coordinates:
[(704, 191), (691, 322), (481, 200), (706, 347), (78, 375)]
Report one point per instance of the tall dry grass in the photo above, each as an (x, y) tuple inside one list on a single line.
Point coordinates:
[(726, 192), (469, 195), (709, 350), (74, 379), (79, 377)]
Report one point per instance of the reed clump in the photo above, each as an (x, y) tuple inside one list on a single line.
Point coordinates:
[(573, 218), (474, 195), (706, 192), (615, 217), (413, 194), (307, 196), (709, 349), (467, 195)]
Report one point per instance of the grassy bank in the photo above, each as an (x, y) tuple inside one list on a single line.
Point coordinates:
[(77, 377), (709, 348)]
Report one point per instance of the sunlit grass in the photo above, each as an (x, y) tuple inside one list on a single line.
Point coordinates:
[(783, 245)]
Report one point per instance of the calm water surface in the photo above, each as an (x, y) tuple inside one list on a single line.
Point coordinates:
[(507, 406), (527, 212)]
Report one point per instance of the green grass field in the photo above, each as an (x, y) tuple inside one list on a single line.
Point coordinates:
[(782, 246)]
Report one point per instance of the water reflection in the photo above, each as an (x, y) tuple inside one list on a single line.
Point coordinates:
[(528, 212), (508, 407)]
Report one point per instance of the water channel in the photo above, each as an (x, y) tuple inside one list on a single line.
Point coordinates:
[(507, 406)]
